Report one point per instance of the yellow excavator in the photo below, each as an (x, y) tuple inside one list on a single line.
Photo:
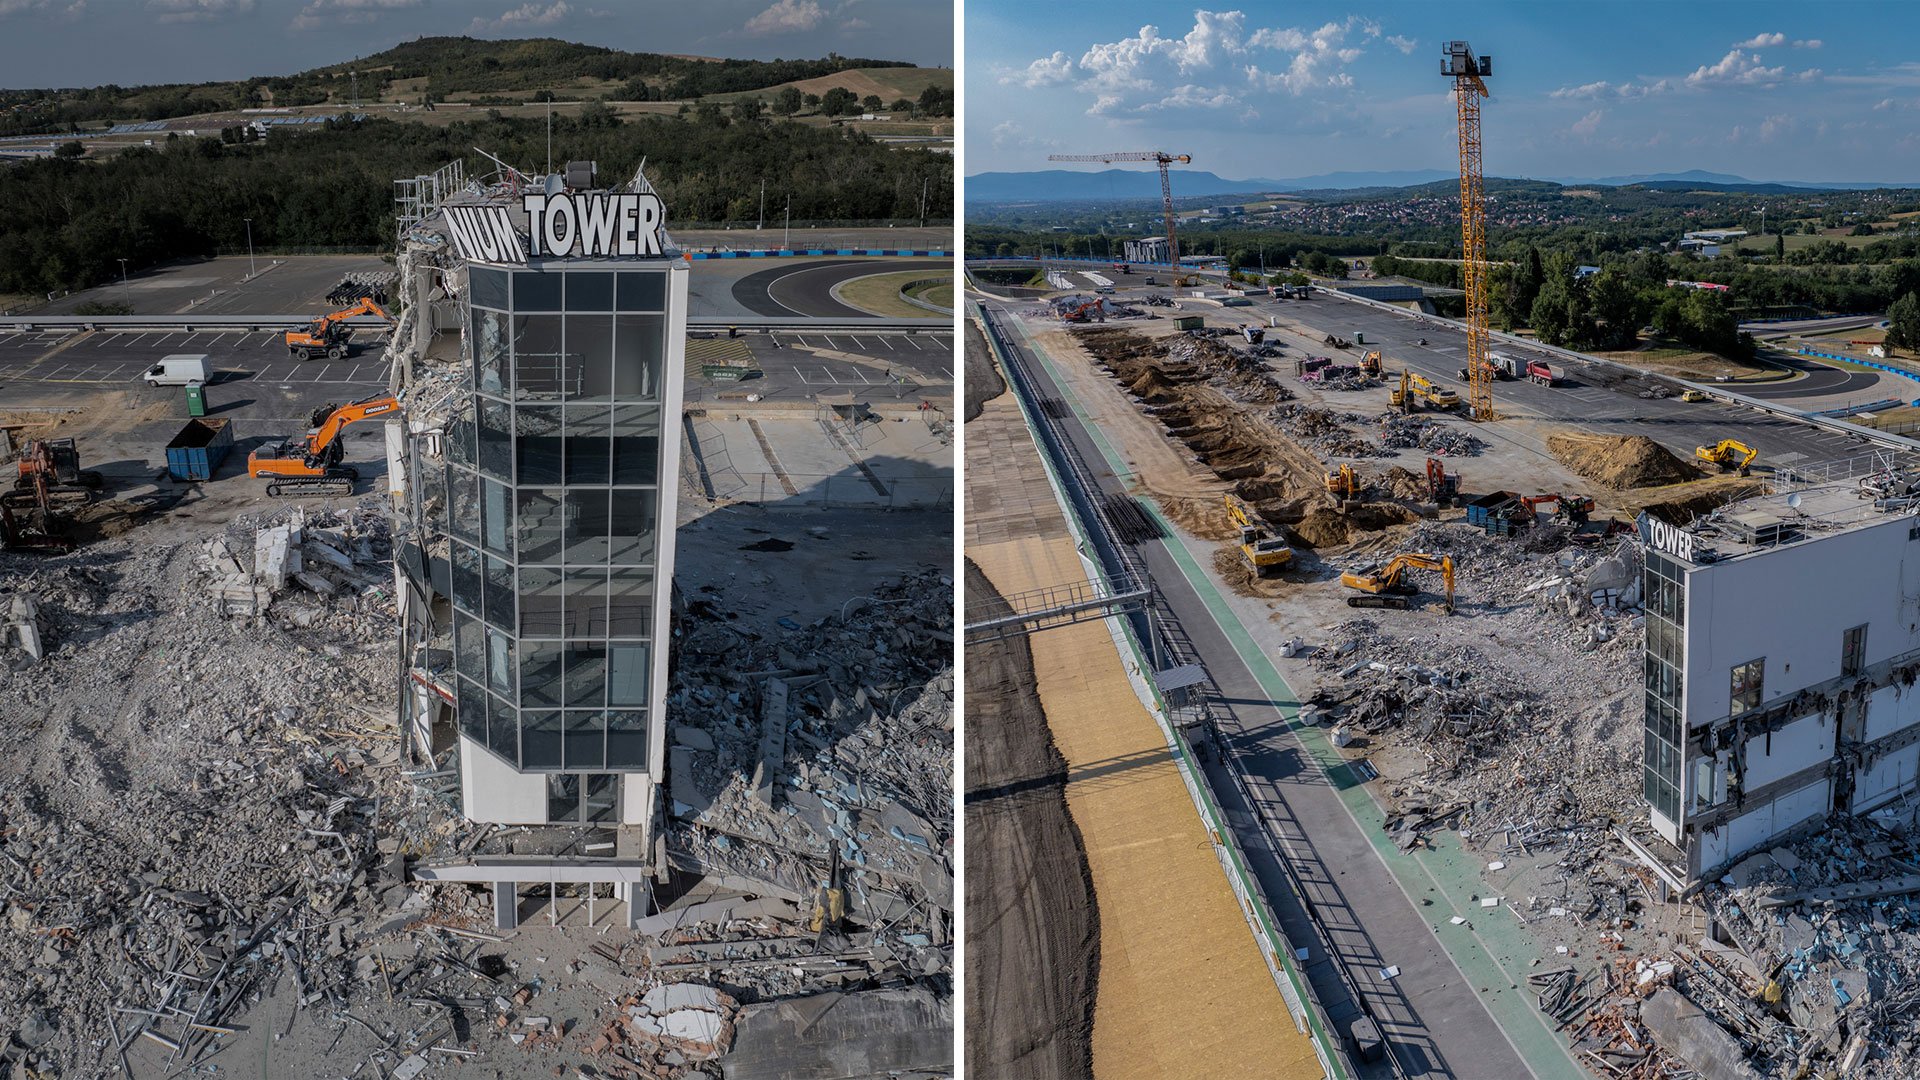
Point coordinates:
[(1401, 397), (1387, 585), (1264, 552), (311, 466), (1433, 393), (1345, 486), (1728, 454), (329, 334), (1370, 364)]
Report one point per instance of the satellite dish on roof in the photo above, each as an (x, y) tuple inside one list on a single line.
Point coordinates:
[(554, 184), (1793, 501)]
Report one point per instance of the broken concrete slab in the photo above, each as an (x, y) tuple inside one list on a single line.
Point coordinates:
[(773, 739), (1685, 1030), (869, 1033)]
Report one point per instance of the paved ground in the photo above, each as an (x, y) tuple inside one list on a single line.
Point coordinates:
[(290, 285), (1824, 381), (805, 286)]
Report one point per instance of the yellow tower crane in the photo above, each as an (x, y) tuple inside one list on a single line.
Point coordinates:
[(1468, 72), (1166, 189)]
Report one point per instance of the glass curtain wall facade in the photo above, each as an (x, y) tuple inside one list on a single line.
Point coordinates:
[(554, 495), (1666, 614)]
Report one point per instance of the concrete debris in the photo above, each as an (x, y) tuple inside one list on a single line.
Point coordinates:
[(1402, 432), (1326, 431), (23, 626)]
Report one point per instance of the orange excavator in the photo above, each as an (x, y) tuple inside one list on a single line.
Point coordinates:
[(1573, 509), (310, 466), (329, 334), (1387, 585)]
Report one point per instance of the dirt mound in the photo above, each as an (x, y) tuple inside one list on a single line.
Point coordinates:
[(1325, 527), (1621, 461), (1681, 503), (1402, 483)]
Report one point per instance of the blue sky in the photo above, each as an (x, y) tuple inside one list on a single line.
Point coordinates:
[(1816, 91), (90, 42)]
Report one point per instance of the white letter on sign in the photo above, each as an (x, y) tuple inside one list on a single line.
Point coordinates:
[(560, 231)]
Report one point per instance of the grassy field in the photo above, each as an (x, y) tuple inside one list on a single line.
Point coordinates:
[(888, 84), (941, 294), (1686, 363), (880, 294)]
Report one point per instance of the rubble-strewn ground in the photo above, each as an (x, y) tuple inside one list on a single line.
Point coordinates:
[(204, 829)]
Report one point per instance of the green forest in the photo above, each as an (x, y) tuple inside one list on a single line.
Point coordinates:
[(449, 64), (65, 223)]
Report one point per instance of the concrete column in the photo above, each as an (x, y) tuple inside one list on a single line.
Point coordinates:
[(506, 905)]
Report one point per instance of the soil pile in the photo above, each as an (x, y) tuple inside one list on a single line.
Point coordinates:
[(1621, 461)]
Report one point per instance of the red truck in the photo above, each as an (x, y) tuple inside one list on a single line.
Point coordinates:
[(1539, 372)]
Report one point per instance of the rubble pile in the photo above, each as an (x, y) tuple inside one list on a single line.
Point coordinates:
[(1399, 431), (1325, 431), (1241, 376), (816, 759), (348, 555), (665, 1031)]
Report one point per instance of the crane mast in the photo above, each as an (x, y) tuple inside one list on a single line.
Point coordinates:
[(1466, 70), (1163, 160)]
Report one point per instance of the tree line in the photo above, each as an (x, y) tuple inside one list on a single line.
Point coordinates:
[(65, 223)]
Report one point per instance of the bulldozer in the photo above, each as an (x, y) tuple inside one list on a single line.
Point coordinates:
[(1387, 585), (311, 466), (329, 334), (1264, 552), (1728, 454)]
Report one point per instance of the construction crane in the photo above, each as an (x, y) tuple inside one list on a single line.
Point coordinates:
[(1166, 189), (1265, 553), (311, 466), (1386, 585), (1468, 72), (329, 333)]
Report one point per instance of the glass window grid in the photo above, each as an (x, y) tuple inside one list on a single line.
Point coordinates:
[(1664, 590), (599, 735)]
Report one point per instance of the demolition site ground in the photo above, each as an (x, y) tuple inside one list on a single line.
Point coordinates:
[(1501, 744), (207, 834)]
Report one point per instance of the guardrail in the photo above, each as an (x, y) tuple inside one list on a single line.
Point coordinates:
[(1716, 390), (191, 323), (944, 279)]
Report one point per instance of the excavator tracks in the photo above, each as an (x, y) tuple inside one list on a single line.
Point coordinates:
[(334, 485)]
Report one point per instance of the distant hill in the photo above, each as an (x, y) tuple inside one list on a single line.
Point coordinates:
[(1701, 180), (1070, 185)]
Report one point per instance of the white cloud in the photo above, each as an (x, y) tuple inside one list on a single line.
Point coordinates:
[(198, 10), (1584, 90), (1808, 43), (1736, 69), (68, 8), (319, 13), (528, 16), (1776, 125), (1046, 71), (787, 17), (1762, 41), (1605, 89), (1196, 97), (1588, 123), (1404, 44)]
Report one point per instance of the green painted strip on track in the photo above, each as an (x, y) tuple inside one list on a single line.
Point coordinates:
[(1494, 954)]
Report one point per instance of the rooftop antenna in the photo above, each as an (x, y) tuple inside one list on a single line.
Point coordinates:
[(512, 173), (549, 133)]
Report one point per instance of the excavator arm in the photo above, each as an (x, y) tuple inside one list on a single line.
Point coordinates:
[(336, 421)]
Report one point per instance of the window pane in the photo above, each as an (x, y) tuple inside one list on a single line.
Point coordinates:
[(586, 676), (539, 674), (632, 526), (460, 439), (538, 514), (602, 798), (636, 444), (496, 524), (588, 525), (540, 602), (539, 740), (586, 602), (627, 739), (468, 647), (500, 673), (486, 288), (589, 351), (496, 433), (472, 708), (563, 797), (586, 739), (499, 592), (589, 443), (465, 493), (537, 443), (538, 373), (535, 291), (639, 346), (627, 675), (589, 292), (466, 578), (643, 292), (630, 603), (490, 352), (503, 729)]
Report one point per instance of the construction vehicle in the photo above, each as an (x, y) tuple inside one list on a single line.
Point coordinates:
[(1253, 334), (1433, 393), (1122, 268), (1401, 397), (1574, 510), (1468, 72), (1443, 487), (1728, 454), (1388, 586), (1539, 372), (1094, 309), (329, 334), (1693, 396), (1345, 485), (1166, 191), (53, 466), (1264, 551), (1370, 364), (311, 466), (31, 514)]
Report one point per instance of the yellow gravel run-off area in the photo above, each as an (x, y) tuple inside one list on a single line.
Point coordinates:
[(1182, 988)]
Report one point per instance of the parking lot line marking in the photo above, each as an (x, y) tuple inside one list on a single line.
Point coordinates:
[(946, 374), (863, 376), (888, 342), (832, 344), (829, 374), (324, 368), (858, 344), (803, 377)]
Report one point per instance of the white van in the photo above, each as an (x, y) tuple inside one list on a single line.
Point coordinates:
[(179, 370)]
